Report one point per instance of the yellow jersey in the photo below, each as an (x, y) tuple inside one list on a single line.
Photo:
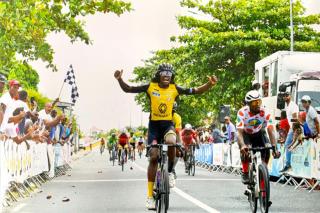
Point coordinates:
[(161, 100), (177, 121)]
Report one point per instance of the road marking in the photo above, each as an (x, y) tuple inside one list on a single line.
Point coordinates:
[(102, 180), (135, 180), (194, 200), (189, 197), (19, 207)]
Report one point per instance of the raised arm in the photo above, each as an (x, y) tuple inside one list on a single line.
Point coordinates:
[(212, 81), (127, 88)]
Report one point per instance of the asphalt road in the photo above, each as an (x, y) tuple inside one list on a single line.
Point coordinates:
[(94, 185)]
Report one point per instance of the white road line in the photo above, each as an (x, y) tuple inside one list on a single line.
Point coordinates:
[(102, 180), (19, 207), (134, 180), (194, 200), (189, 197)]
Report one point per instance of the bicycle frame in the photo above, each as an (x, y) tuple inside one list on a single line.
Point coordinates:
[(254, 191)]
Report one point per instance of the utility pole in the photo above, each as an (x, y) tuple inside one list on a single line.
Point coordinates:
[(291, 26)]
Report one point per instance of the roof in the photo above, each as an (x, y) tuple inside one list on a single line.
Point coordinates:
[(314, 75)]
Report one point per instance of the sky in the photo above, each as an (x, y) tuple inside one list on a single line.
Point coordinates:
[(118, 43)]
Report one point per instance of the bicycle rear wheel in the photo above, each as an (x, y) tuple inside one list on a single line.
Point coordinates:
[(264, 194)]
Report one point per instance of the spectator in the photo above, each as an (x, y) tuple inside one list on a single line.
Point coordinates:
[(312, 117), (231, 130), (256, 85), (284, 124), (216, 134), (3, 81), (224, 131), (7, 102), (49, 122), (292, 110), (302, 119), (11, 128)]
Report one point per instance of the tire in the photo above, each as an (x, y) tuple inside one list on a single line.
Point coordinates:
[(193, 166), (167, 190), (113, 157), (264, 194), (122, 160), (253, 201), (189, 163)]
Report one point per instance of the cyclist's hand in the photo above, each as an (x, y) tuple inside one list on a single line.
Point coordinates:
[(244, 150), (213, 79), (118, 74)]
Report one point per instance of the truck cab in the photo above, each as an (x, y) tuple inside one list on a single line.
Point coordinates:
[(295, 72)]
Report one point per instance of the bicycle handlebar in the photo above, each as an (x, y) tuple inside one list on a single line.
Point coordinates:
[(260, 148), (161, 145)]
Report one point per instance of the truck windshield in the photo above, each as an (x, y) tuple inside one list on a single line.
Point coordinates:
[(311, 88)]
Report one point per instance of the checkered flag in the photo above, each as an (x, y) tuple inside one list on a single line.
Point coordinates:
[(71, 80)]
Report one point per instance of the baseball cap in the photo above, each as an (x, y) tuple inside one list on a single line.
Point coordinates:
[(14, 82), (3, 78), (306, 98)]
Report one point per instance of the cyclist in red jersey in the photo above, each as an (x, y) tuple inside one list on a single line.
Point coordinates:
[(123, 141), (189, 136)]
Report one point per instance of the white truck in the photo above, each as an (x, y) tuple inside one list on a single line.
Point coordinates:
[(295, 72)]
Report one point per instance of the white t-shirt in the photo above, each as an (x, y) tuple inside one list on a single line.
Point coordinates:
[(290, 109), (311, 115), (10, 107), (44, 116), (22, 104), (11, 130)]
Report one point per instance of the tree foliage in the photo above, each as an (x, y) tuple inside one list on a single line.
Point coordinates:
[(233, 36)]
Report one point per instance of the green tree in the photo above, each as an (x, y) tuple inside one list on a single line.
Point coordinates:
[(25, 24), (233, 35), (26, 75)]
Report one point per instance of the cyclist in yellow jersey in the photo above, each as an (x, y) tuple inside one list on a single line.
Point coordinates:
[(162, 92), (132, 142), (177, 122)]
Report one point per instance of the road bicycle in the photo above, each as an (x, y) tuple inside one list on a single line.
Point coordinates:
[(259, 185), (191, 161), (162, 189), (113, 154), (122, 158)]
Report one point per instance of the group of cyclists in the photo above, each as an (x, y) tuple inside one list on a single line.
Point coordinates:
[(253, 123), (123, 140)]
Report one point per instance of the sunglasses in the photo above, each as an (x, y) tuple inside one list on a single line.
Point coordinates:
[(256, 103), (165, 73)]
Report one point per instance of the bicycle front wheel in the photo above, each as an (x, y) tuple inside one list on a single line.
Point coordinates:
[(253, 200), (264, 194), (166, 190), (193, 166)]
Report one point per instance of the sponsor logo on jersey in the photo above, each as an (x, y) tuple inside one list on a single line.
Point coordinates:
[(156, 94)]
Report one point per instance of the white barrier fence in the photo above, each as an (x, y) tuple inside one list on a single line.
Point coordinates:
[(20, 162), (305, 162)]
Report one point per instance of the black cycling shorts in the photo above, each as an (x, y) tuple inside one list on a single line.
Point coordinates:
[(133, 145), (158, 129), (259, 139)]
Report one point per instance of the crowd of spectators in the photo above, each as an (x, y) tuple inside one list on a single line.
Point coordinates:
[(22, 120)]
